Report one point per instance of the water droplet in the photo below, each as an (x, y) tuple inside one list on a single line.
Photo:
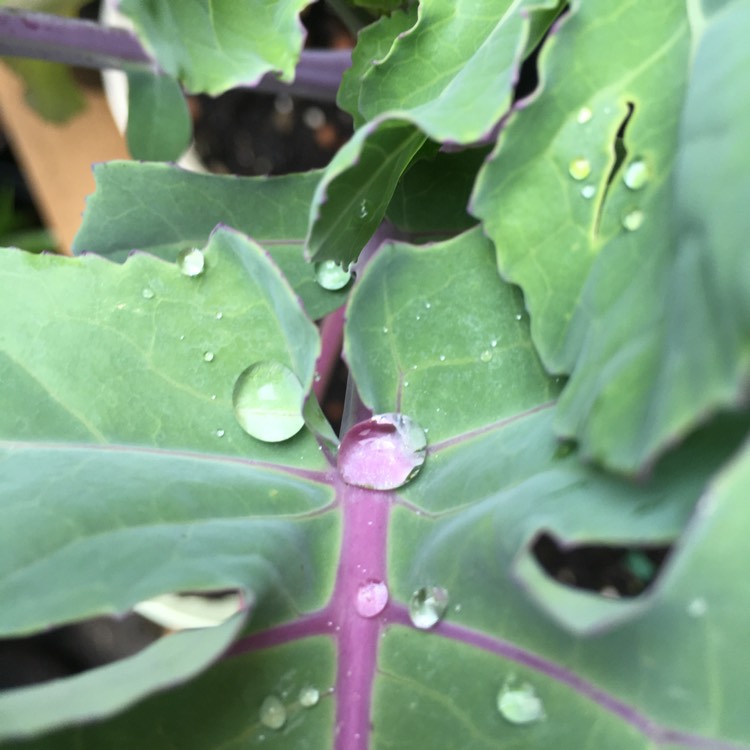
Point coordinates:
[(371, 598), (588, 191), (633, 220), (272, 713), (219, 315), (208, 356), (519, 316), (697, 607), (521, 704), (317, 377), (385, 329), (486, 356), (332, 275), (419, 317), (213, 397), (579, 169), (147, 293), (427, 305), (406, 383), (442, 357), (584, 115), (191, 261), (493, 343), (267, 401), (364, 209), (636, 175), (427, 605), (219, 433), (383, 452), (182, 337), (309, 696)]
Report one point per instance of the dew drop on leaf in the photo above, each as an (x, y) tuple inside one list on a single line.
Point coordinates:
[(208, 356), (383, 452), (219, 315), (191, 262), (486, 356), (584, 115), (371, 598), (309, 696), (332, 275), (147, 293), (220, 433), (267, 402), (636, 175), (272, 713), (633, 220), (519, 704), (588, 191), (579, 169), (427, 606), (697, 607)]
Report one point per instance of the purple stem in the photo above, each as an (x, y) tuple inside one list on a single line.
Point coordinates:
[(331, 336), (87, 44)]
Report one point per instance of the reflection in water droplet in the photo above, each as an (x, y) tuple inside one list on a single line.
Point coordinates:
[(147, 293), (633, 220), (427, 606), (332, 275), (208, 356), (267, 401), (371, 598), (219, 433), (697, 607), (309, 696), (272, 713), (364, 209), (519, 705), (584, 115), (191, 261), (486, 356), (579, 169), (636, 175), (588, 191), (383, 452)]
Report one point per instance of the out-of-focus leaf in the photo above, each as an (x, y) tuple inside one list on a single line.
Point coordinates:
[(163, 209), (212, 46), (159, 125)]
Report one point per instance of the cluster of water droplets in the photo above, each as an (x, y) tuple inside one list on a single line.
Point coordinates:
[(274, 714)]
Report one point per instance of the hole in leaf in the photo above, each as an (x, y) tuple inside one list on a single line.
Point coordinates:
[(608, 570)]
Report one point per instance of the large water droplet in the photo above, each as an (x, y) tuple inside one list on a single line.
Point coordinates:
[(371, 598), (383, 452), (588, 191), (147, 293), (332, 275), (191, 261), (267, 401), (519, 704), (633, 220), (584, 115), (364, 209), (636, 175), (580, 168), (427, 605), (309, 696), (272, 713)]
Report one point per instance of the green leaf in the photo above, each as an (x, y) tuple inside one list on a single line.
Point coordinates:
[(163, 209), (213, 46), (159, 125)]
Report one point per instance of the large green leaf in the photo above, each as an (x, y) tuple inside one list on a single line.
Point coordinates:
[(163, 209), (449, 76), (213, 45), (629, 275)]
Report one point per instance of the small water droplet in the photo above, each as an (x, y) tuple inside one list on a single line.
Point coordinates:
[(419, 317), (633, 220), (219, 433), (519, 704), (213, 397), (371, 598), (588, 191), (697, 607), (427, 305), (519, 316), (219, 315), (493, 343), (486, 356), (427, 606), (182, 337), (191, 262), (579, 168), (383, 452), (385, 329), (584, 115), (442, 357), (406, 383), (364, 209), (208, 356), (332, 275), (267, 401), (316, 377), (147, 293), (272, 713), (309, 696), (636, 175)]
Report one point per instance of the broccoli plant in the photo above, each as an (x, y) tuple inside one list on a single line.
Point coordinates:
[(534, 245)]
